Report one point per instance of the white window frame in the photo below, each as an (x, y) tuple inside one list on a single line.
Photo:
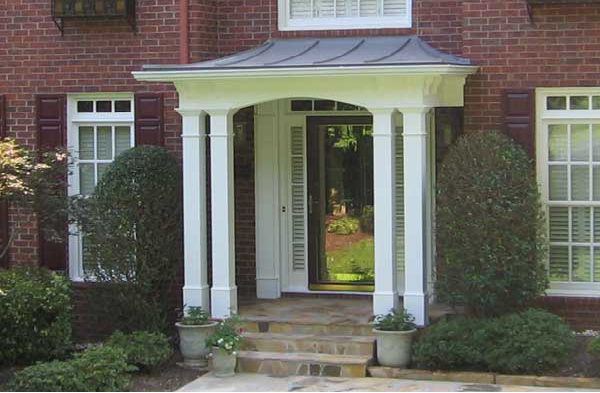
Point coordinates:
[(544, 117), (285, 23), (74, 120)]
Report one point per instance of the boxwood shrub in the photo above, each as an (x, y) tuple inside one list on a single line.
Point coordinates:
[(145, 350), (529, 342), (35, 315)]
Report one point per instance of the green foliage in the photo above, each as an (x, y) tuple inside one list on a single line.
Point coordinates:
[(144, 350), (195, 316), (356, 262), (529, 342), (343, 226), (35, 315), (227, 336), (367, 219), (490, 227), (594, 347), (132, 228), (395, 321), (100, 369)]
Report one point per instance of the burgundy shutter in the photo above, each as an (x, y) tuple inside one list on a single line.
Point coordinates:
[(4, 235), (51, 135), (519, 117), (149, 119)]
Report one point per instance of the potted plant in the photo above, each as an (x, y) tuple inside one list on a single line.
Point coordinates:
[(224, 343), (394, 332), (194, 328)]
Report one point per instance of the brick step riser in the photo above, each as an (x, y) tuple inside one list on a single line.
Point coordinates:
[(283, 368), (293, 328), (307, 346)]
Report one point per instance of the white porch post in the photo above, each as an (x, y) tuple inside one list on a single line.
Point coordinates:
[(224, 290), (415, 201), (195, 289), (385, 296)]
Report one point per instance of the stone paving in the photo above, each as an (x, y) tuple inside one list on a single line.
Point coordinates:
[(264, 383)]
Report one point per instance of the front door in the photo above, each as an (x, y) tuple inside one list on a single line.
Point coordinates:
[(341, 252)]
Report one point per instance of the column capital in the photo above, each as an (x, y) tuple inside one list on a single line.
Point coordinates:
[(382, 111), (415, 109), (220, 112), (190, 112)]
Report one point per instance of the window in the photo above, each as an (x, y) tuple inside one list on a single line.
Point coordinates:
[(343, 14), (568, 158), (99, 129)]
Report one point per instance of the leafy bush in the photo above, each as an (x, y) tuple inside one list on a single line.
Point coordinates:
[(343, 226), (195, 316), (395, 321), (490, 227), (97, 369), (144, 350), (529, 342), (367, 219), (132, 228), (35, 315), (594, 347)]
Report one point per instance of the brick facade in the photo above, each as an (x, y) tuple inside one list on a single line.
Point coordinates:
[(559, 47)]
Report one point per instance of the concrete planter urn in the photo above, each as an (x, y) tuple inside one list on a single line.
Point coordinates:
[(192, 342), (394, 348), (394, 333), (223, 362)]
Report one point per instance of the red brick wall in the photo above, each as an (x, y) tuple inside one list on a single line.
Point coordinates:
[(581, 313)]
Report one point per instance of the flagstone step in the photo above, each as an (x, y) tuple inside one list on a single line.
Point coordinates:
[(300, 327), (308, 343), (306, 364)]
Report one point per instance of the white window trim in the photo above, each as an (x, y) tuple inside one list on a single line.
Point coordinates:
[(74, 120), (285, 23), (543, 117)]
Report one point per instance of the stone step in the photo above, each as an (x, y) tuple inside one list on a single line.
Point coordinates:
[(292, 327), (308, 343), (306, 364)]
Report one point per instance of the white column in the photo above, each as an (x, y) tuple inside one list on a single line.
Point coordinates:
[(195, 289), (224, 290), (415, 201), (385, 296)]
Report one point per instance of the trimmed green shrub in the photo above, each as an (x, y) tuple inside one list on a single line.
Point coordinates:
[(529, 342), (99, 369), (367, 219), (145, 350), (343, 226), (594, 347), (35, 315), (132, 228), (490, 227)]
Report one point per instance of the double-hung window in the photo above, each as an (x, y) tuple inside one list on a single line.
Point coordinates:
[(568, 164), (100, 127), (344, 14)]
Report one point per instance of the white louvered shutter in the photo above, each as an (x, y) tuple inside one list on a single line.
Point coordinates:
[(400, 206), (324, 8), (394, 7), (300, 9), (298, 198)]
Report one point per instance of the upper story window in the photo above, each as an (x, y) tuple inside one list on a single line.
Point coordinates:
[(344, 14)]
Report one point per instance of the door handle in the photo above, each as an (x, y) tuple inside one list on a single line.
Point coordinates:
[(310, 203)]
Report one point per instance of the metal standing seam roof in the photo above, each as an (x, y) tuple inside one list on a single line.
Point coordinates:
[(327, 52)]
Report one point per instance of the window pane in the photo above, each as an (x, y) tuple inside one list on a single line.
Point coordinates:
[(102, 168), (85, 106), (559, 263), (104, 142), (324, 8), (596, 102), (342, 106), (559, 224), (596, 141), (579, 102), (597, 264), (87, 181), (123, 139), (557, 102), (302, 105), (557, 142), (580, 224), (558, 182), (369, 8), (86, 143), (300, 9), (324, 105), (597, 225), (103, 106), (596, 180), (580, 183), (123, 106), (580, 142), (394, 7), (581, 264)]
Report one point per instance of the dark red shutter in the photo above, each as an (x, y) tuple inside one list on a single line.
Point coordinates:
[(519, 117), (149, 121), (51, 129), (4, 235)]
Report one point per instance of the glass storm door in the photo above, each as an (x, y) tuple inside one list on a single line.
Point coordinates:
[(341, 252)]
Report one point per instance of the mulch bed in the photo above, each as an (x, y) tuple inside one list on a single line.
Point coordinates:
[(581, 364)]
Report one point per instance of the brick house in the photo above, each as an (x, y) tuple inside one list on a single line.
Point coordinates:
[(317, 112)]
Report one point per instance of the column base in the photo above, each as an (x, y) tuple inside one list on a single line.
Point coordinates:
[(267, 288), (196, 297), (223, 302), (418, 305), (383, 302)]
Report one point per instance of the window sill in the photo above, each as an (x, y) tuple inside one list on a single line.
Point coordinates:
[(346, 24)]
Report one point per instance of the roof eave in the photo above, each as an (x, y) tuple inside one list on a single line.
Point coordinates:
[(303, 72)]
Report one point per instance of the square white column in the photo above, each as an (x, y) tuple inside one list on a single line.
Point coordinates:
[(385, 297), (224, 290), (195, 289), (416, 189)]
